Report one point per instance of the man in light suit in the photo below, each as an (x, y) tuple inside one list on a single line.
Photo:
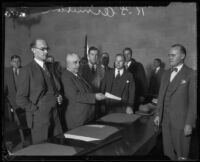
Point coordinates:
[(38, 94), (79, 94), (120, 83), (177, 105)]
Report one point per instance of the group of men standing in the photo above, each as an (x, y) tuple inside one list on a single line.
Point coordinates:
[(40, 91)]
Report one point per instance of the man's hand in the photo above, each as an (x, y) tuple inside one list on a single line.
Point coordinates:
[(100, 96), (129, 110), (59, 99), (157, 121), (187, 130)]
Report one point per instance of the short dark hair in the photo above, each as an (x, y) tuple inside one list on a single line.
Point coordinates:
[(15, 56), (129, 49), (33, 43), (121, 55), (106, 53), (159, 60), (93, 48), (182, 48)]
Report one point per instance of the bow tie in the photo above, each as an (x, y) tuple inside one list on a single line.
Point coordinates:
[(174, 69)]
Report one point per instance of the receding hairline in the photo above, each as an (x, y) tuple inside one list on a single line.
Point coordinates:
[(71, 55)]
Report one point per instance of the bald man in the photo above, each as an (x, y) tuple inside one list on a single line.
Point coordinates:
[(79, 94), (38, 94)]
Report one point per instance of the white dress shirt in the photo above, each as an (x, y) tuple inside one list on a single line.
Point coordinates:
[(174, 73), (120, 71), (39, 62), (158, 68)]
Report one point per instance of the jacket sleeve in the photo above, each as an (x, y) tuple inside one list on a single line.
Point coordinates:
[(192, 99), (23, 91), (131, 91), (72, 92)]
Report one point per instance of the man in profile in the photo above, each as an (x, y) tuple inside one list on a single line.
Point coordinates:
[(138, 72), (79, 94), (120, 83), (38, 93), (177, 109)]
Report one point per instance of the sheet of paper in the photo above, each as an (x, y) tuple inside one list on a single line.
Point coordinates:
[(96, 126), (155, 100), (82, 138), (108, 95)]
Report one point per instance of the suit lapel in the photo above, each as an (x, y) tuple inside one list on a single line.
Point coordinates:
[(37, 70), (176, 81), (12, 79), (111, 78), (124, 80)]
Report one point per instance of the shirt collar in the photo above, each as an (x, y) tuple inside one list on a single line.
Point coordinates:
[(120, 71), (90, 65), (128, 63), (179, 67), (158, 68), (39, 62)]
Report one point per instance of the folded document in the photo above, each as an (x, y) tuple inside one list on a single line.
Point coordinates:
[(108, 95)]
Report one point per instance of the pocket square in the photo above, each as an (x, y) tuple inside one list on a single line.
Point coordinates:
[(127, 81), (183, 81)]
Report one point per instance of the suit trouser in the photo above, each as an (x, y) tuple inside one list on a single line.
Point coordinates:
[(175, 143), (46, 121)]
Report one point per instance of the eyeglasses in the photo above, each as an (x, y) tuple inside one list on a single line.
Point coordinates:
[(43, 49)]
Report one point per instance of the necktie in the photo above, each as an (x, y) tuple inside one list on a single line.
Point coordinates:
[(173, 74), (174, 69), (45, 69), (118, 75), (126, 65), (93, 69)]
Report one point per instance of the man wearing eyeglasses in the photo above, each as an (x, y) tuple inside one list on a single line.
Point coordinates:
[(38, 93)]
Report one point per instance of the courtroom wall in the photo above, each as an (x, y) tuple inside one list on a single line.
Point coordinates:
[(149, 31)]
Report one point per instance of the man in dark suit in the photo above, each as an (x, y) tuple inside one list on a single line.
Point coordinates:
[(155, 79), (120, 83), (139, 76), (38, 94), (11, 79), (92, 72), (79, 94), (177, 105)]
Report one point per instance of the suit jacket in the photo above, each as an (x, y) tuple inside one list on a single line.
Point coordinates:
[(182, 105), (32, 87), (93, 79), (127, 88), (139, 76), (10, 88), (81, 100), (155, 80)]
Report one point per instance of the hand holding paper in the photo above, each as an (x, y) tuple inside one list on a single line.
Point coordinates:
[(110, 96)]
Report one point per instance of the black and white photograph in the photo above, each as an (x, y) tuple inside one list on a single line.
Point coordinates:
[(99, 81)]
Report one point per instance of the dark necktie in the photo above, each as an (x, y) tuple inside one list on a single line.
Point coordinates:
[(118, 75), (45, 69), (93, 69), (51, 77), (174, 69)]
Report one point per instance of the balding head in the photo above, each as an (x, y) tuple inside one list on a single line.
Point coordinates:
[(72, 62)]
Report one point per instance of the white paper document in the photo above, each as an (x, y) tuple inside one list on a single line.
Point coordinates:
[(155, 100), (108, 95), (96, 126), (82, 138)]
